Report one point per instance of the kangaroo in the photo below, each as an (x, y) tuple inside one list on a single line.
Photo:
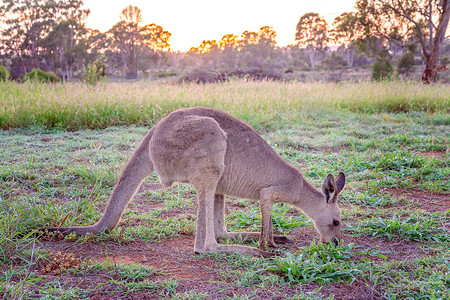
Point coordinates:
[(221, 155)]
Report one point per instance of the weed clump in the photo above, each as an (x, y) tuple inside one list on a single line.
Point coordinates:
[(41, 76), (4, 74), (95, 72), (382, 69), (323, 263), (61, 262)]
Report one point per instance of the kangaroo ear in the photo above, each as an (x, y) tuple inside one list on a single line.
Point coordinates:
[(329, 189), (340, 182)]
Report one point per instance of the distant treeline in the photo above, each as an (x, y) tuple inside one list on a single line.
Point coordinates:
[(52, 36)]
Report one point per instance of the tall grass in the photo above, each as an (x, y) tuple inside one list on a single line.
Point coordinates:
[(73, 106)]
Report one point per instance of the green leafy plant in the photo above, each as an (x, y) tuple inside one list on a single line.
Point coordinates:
[(382, 69), (4, 74), (251, 219), (133, 272), (14, 242), (323, 263), (95, 72), (410, 229), (41, 76), (406, 63)]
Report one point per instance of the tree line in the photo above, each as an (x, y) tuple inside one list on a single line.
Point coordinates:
[(52, 35)]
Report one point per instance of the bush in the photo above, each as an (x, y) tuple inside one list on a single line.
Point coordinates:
[(164, 74), (203, 76), (406, 63), (4, 73), (41, 76), (95, 72), (335, 61), (382, 69)]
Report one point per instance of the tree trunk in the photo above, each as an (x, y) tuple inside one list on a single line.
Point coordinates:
[(430, 67), (350, 55), (432, 58)]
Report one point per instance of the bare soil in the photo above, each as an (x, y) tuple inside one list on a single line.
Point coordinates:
[(174, 258), (425, 200)]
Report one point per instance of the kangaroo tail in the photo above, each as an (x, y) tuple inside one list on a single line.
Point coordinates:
[(138, 167)]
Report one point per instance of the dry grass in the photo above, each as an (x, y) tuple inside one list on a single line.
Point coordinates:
[(74, 106)]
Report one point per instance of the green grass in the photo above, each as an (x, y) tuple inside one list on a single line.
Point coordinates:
[(320, 263), (391, 139), (238, 220), (410, 229)]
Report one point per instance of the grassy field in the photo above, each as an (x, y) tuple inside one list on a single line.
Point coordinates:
[(79, 106), (63, 146)]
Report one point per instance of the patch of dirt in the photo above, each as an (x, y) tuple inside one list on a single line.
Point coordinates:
[(174, 258), (432, 154), (150, 187), (141, 205), (431, 202)]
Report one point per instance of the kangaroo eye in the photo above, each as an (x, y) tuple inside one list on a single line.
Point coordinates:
[(336, 223)]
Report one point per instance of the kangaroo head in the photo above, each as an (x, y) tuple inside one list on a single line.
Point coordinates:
[(328, 220)]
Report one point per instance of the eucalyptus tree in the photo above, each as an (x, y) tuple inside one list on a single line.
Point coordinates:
[(25, 23), (133, 41), (407, 22), (312, 33)]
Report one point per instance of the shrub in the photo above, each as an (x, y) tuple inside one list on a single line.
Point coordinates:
[(96, 70), (382, 69), (4, 73), (335, 61), (41, 76), (164, 74), (406, 63), (203, 76)]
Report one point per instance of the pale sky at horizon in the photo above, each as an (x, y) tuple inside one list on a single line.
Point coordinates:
[(191, 22)]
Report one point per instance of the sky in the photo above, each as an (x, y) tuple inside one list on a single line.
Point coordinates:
[(192, 21)]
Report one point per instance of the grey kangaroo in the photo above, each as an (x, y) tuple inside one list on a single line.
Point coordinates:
[(221, 155)]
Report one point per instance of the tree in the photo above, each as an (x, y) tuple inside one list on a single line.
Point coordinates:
[(249, 38), (132, 41), (406, 63), (126, 36), (266, 36), (155, 37), (312, 33), (266, 42), (97, 43), (259, 44), (407, 22), (26, 22), (382, 68), (229, 50), (66, 46), (346, 31), (228, 41), (207, 46)]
